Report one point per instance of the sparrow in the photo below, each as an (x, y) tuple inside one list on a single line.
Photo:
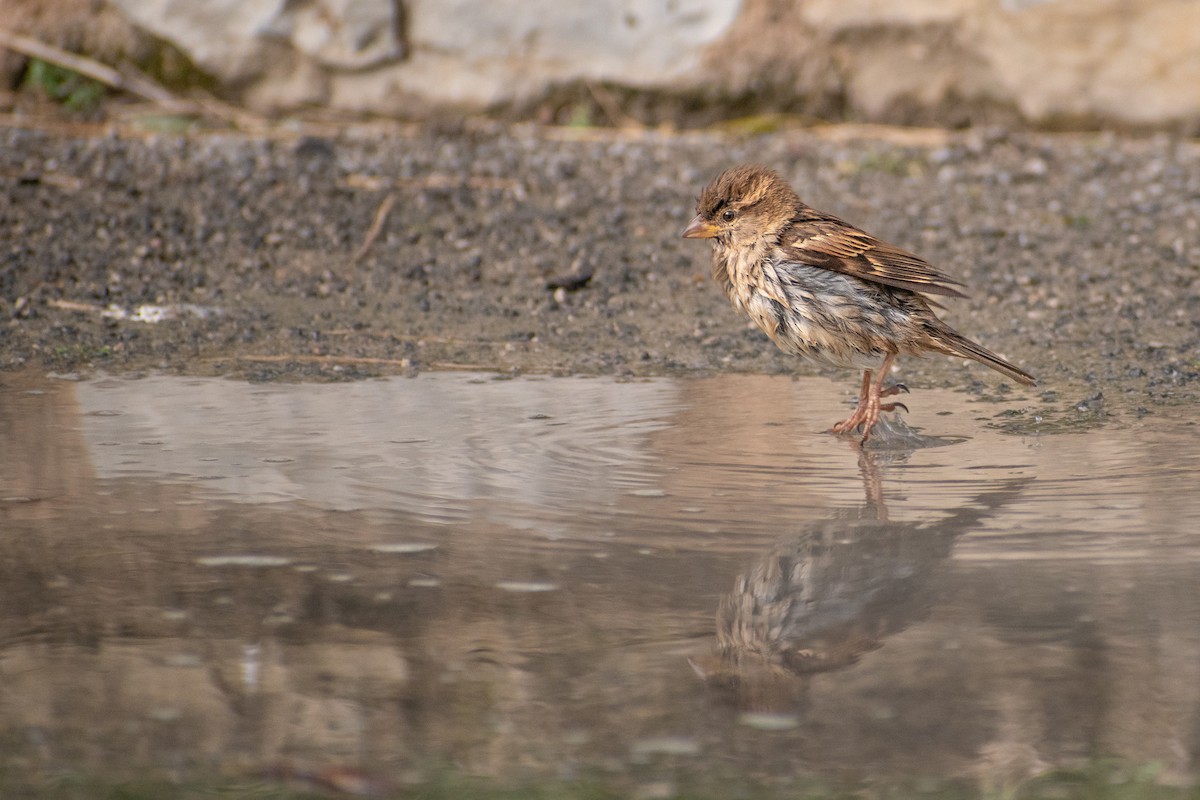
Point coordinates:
[(825, 290)]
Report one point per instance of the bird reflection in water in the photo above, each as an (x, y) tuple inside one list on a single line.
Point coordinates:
[(822, 599)]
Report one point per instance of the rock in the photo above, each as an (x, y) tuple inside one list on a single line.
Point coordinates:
[(1133, 62), (1137, 62), (222, 37), (344, 34), (474, 54), (945, 61), (235, 40)]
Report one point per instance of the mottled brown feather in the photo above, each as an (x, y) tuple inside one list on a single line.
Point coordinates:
[(826, 241)]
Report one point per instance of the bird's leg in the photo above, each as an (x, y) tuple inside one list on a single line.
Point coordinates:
[(895, 388), (874, 407), (869, 406), (860, 410)]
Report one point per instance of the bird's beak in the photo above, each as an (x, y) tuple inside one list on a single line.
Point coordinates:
[(700, 229)]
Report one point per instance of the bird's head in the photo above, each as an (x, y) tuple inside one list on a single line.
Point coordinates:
[(743, 205)]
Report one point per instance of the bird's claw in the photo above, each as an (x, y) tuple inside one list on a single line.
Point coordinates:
[(894, 406), (895, 388)]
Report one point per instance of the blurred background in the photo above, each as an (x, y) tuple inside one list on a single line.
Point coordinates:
[(1050, 64)]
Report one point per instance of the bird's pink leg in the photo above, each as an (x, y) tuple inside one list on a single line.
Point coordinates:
[(852, 422), (869, 407)]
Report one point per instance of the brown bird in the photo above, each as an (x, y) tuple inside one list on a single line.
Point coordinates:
[(823, 289)]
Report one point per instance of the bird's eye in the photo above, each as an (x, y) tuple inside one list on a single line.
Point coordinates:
[(728, 215)]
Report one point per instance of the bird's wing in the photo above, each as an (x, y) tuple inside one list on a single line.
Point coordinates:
[(825, 241)]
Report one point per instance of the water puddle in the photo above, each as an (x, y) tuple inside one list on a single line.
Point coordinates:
[(662, 583)]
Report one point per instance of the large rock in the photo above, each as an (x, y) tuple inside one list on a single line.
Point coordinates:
[(1048, 61), (235, 39)]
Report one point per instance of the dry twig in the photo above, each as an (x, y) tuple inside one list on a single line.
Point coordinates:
[(376, 226), (128, 80), (303, 358), (71, 305)]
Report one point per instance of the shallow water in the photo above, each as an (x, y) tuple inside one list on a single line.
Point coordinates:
[(538, 579)]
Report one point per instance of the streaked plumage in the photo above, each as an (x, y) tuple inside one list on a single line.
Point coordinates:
[(824, 289)]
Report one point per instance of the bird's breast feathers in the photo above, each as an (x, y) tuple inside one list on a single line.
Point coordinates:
[(806, 310), (746, 273)]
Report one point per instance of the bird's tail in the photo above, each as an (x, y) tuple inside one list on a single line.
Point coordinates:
[(955, 342)]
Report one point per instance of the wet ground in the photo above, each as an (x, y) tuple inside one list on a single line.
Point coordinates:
[(620, 553), (560, 580)]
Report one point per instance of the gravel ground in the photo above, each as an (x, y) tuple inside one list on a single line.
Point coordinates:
[(1081, 252)]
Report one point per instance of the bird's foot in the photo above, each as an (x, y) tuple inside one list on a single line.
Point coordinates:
[(869, 407), (867, 415), (851, 422)]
